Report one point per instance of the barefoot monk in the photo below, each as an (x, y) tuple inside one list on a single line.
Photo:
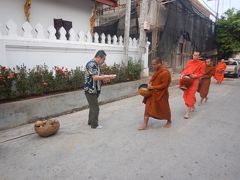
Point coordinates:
[(194, 69), (219, 73), (157, 105), (205, 81)]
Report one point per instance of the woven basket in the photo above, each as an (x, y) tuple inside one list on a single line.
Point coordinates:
[(46, 128)]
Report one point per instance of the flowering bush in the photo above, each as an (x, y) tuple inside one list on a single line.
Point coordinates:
[(76, 78), (40, 80), (7, 77), (62, 78), (124, 73), (22, 82), (133, 70)]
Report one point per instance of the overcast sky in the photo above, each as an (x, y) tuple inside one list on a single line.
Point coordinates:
[(223, 5)]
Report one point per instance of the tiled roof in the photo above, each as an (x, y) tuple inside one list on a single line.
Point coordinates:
[(112, 3)]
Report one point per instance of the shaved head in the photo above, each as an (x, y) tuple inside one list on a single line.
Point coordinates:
[(157, 60), (196, 55), (208, 61), (156, 63)]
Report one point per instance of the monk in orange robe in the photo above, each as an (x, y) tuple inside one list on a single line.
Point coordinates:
[(195, 69), (157, 105), (205, 81), (219, 72)]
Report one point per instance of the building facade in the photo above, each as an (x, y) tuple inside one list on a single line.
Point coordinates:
[(42, 41)]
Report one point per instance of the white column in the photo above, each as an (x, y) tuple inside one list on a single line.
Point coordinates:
[(143, 52), (127, 31), (145, 72)]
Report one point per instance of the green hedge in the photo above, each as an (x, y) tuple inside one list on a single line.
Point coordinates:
[(20, 82)]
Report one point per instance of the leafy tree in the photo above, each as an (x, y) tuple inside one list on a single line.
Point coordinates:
[(228, 33)]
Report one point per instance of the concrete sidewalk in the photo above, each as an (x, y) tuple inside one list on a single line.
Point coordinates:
[(79, 152)]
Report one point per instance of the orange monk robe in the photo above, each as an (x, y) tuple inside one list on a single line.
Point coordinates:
[(196, 67), (219, 73), (206, 81), (157, 105)]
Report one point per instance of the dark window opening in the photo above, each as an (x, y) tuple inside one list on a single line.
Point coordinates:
[(58, 23)]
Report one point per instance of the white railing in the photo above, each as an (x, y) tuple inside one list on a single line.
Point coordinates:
[(81, 37), (36, 45)]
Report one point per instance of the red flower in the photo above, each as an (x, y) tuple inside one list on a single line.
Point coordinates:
[(3, 68), (45, 83), (1, 76), (10, 75)]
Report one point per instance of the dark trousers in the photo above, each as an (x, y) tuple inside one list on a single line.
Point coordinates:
[(93, 109)]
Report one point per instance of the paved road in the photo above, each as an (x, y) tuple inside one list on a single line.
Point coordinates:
[(205, 147)]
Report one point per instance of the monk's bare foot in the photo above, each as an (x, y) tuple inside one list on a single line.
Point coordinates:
[(186, 116), (167, 125), (192, 109), (142, 128), (206, 99)]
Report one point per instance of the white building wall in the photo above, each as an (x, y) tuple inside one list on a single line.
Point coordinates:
[(44, 11), (56, 53), (38, 50), (26, 46), (11, 9)]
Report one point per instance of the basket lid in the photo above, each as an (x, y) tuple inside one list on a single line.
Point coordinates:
[(143, 86)]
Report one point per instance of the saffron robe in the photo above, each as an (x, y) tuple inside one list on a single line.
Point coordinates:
[(196, 67), (157, 105), (205, 81), (219, 73)]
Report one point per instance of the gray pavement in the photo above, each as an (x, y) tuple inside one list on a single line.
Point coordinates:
[(205, 147)]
